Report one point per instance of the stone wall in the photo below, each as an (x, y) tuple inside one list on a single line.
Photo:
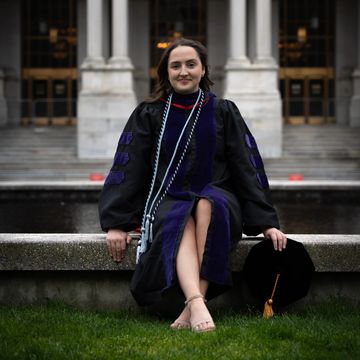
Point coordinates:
[(76, 269)]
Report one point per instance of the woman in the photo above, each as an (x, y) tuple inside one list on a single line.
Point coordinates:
[(191, 162)]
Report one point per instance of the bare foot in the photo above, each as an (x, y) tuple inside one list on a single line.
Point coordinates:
[(200, 318), (183, 321)]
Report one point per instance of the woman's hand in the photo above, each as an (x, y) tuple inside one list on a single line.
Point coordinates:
[(117, 241), (277, 237)]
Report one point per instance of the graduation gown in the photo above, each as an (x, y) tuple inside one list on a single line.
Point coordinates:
[(222, 164)]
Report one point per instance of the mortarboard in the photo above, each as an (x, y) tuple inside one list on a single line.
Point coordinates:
[(278, 277)]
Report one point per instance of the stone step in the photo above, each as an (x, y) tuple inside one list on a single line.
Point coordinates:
[(318, 152), (321, 141)]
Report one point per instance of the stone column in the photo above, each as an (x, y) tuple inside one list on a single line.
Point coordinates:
[(122, 74), (238, 60), (355, 99), (237, 34), (107, 97), (120, 29), (94, 26), (263, 32), (3, 104), (253, 85)]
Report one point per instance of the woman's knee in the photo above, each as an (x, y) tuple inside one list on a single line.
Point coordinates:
[(190, 224), (203, 210)]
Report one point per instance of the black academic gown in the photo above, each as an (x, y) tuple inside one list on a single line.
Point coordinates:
[(222, 164)]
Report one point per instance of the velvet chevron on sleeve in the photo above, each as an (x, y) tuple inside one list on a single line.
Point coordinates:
[(122, 198), (248, 176)]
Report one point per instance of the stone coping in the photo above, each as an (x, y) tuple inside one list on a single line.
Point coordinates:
[(87, 252), (97, 185)]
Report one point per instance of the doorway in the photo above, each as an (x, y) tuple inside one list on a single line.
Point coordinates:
[(308, 96), (307, 61), (50, 96), (49, 62)]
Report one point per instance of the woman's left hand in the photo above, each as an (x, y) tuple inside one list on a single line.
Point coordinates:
[(277, 237)]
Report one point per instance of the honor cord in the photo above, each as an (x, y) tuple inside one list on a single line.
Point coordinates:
[(148, 217)]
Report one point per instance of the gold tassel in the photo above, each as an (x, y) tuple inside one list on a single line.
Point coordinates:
[(268, 310)]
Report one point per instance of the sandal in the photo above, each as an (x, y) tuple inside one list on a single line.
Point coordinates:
[(180, 325), (183, 321), (197, 326)]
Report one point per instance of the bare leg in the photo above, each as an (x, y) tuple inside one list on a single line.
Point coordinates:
[(202, 221), (187, 247), (190, 255)]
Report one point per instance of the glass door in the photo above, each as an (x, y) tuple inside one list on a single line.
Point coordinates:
[(307, 57), (50, 97), (307, 96), (49, 64), (316, 89), (296, 99)]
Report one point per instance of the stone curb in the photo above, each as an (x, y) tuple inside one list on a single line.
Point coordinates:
[(88, 252), (97, 185)]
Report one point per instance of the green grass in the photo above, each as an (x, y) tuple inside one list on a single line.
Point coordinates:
[(56, 331)]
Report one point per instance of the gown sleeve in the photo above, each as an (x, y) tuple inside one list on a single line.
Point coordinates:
[(247, 172), (122, 198)]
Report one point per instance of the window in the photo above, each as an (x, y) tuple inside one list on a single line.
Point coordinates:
[(49, 34), (307, 33), (174, 19)]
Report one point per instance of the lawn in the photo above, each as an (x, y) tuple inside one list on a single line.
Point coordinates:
[(56, 331)]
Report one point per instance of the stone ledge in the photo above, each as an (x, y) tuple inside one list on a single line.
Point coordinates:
[(87, 185), (88, 252)]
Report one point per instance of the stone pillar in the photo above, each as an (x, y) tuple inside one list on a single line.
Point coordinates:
[(238, 59), (263, 32), (237, 34), (355, 99), (107, 97), (253, 86), (120, 29), (3, 104), (120, 63), (94, 28)]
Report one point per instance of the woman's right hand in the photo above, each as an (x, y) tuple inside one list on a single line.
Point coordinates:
[(117, 241)]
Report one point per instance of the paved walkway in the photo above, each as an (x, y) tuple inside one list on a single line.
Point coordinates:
[(33, 153)]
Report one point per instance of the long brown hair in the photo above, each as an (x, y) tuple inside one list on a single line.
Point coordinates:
[(163, 86)]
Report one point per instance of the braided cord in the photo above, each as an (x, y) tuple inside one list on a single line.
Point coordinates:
[(149, 212), (201, 94), (157, 156), (181, 158)]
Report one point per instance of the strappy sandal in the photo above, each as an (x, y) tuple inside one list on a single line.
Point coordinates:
[(180, 325), (207, 321)]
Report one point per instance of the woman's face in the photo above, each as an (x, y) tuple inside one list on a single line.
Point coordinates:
[(185, 69)]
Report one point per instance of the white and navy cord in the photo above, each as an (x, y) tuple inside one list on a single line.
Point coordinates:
[(149, 213), (157, 156)]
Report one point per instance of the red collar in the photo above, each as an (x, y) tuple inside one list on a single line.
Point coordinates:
[(186, 107)]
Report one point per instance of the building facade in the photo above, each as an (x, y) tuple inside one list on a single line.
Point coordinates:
[(87, 63)]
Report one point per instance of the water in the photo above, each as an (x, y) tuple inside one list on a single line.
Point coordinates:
[(319, 219), (49, 217), (300, 213)]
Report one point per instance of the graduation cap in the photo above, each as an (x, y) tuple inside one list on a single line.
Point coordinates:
[(278, 277)]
